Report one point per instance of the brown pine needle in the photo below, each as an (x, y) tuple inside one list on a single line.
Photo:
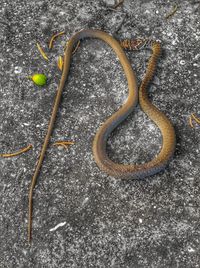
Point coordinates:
[(60, 63), (118, 4), (197, 119), (190, 122), (76, 47), (172, 12), (23, 150), (42, 52), (53, 38), (63, 143)]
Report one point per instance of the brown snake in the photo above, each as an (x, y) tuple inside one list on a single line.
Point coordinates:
[(99, 145)]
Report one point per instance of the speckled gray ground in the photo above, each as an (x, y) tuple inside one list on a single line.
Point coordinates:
[(106, 222)]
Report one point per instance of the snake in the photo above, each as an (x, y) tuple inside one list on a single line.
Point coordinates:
[(122, 171)]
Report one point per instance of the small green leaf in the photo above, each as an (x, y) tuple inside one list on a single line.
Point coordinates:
[(39, 79)]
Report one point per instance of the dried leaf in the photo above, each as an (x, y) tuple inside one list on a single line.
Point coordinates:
[(60, 63), (42, 52), (53, 38)]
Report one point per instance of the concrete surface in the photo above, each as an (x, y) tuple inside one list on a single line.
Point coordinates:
[(104, 222)]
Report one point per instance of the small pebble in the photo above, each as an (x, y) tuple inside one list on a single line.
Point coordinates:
[(190, 249), (18, 70), (109, 2), (182, 62)]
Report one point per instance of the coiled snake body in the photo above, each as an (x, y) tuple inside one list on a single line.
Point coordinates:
[(99, 144)]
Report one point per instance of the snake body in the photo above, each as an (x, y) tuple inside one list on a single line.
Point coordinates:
[(99, 143)]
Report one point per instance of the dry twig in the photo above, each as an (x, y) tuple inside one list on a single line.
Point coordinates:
[(63, 143), (23, 150), (118, 4), (172, 12), (53, 38)]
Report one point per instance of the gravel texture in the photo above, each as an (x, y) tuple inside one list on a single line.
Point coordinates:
[(82, 217)]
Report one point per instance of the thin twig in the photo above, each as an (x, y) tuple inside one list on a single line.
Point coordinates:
[(53, 38), (63, 143), (60, 59), (172, 12), (76, 47), (118, 4), (23, 150)]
